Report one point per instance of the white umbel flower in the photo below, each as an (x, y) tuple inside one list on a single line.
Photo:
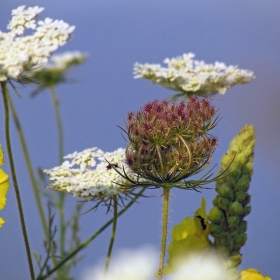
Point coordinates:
[(90, 174), (19, 53), (186, 75)]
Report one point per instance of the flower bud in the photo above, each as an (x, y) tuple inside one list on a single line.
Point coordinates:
[(215, 230), (233, 222), (226, 161), (236, 209), (223, 203), (215, 201), (240, 196), (240, 159), (242, 184), (216, 215), (234, 175), (225, 191), (240, 239), (247, 210), (234, 259), (247, 199), (248, 168), (223, 250), (242, 226)]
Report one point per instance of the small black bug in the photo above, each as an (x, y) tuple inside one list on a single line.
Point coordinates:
[(202, 222)]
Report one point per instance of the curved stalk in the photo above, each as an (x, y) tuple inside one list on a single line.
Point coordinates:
[(61, 196), (14, 178), (84, 244), (113, 234), (163, 232), (28, 164), (59, 123)]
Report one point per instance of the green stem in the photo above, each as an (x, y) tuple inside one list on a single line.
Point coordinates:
[(30, 171), (164, 231), (14, 178), (113, 234), (84, 245), (59, 123), (61, 199), (29, 165)]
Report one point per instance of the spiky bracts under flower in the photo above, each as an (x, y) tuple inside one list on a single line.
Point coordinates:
[(231, 204), (169, 142)]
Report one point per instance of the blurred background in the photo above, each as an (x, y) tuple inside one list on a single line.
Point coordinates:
[(116, 34)]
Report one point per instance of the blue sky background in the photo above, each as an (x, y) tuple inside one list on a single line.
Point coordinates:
[(116, 34)]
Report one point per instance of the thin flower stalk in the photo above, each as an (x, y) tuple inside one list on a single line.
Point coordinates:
[(14, 178), (113, 235), (61, 196), (163, 232), (30, 170), (85, 244), (28, 163)]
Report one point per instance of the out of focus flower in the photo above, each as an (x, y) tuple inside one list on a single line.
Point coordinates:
[(130, 264), (90, 174), (4, 185), (141, 264), (189, 76), (54, 72), (20, 52), (252, 274), (169, 142)]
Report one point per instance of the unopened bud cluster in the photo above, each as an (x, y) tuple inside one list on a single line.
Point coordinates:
[(232, 202), (169, 142)]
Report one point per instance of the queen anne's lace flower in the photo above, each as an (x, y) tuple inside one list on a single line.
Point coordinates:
[(21, 53), (189, 76), (90, 174)]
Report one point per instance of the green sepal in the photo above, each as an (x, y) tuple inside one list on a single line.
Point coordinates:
[(233, 222), (236, 208), (225, 191), (223, 203), (216, 215), (243, 226), (215, 230), (240, 239), (247, 210)]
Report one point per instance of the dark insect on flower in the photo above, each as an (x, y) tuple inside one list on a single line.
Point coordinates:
[(202, 222)]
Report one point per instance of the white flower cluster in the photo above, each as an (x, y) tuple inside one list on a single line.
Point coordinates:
[(191, 76), (89, 174), (20, 52), (63, 61)]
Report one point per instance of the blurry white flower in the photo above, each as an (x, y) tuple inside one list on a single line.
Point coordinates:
[(24, 52), (142, 264), (206, 268), (190, 76), (139, 264), (87, 174)]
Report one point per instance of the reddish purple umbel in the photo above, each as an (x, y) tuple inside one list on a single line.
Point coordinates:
[(170, 141)]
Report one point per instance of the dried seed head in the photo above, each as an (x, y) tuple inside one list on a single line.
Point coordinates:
[(170, 141)]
